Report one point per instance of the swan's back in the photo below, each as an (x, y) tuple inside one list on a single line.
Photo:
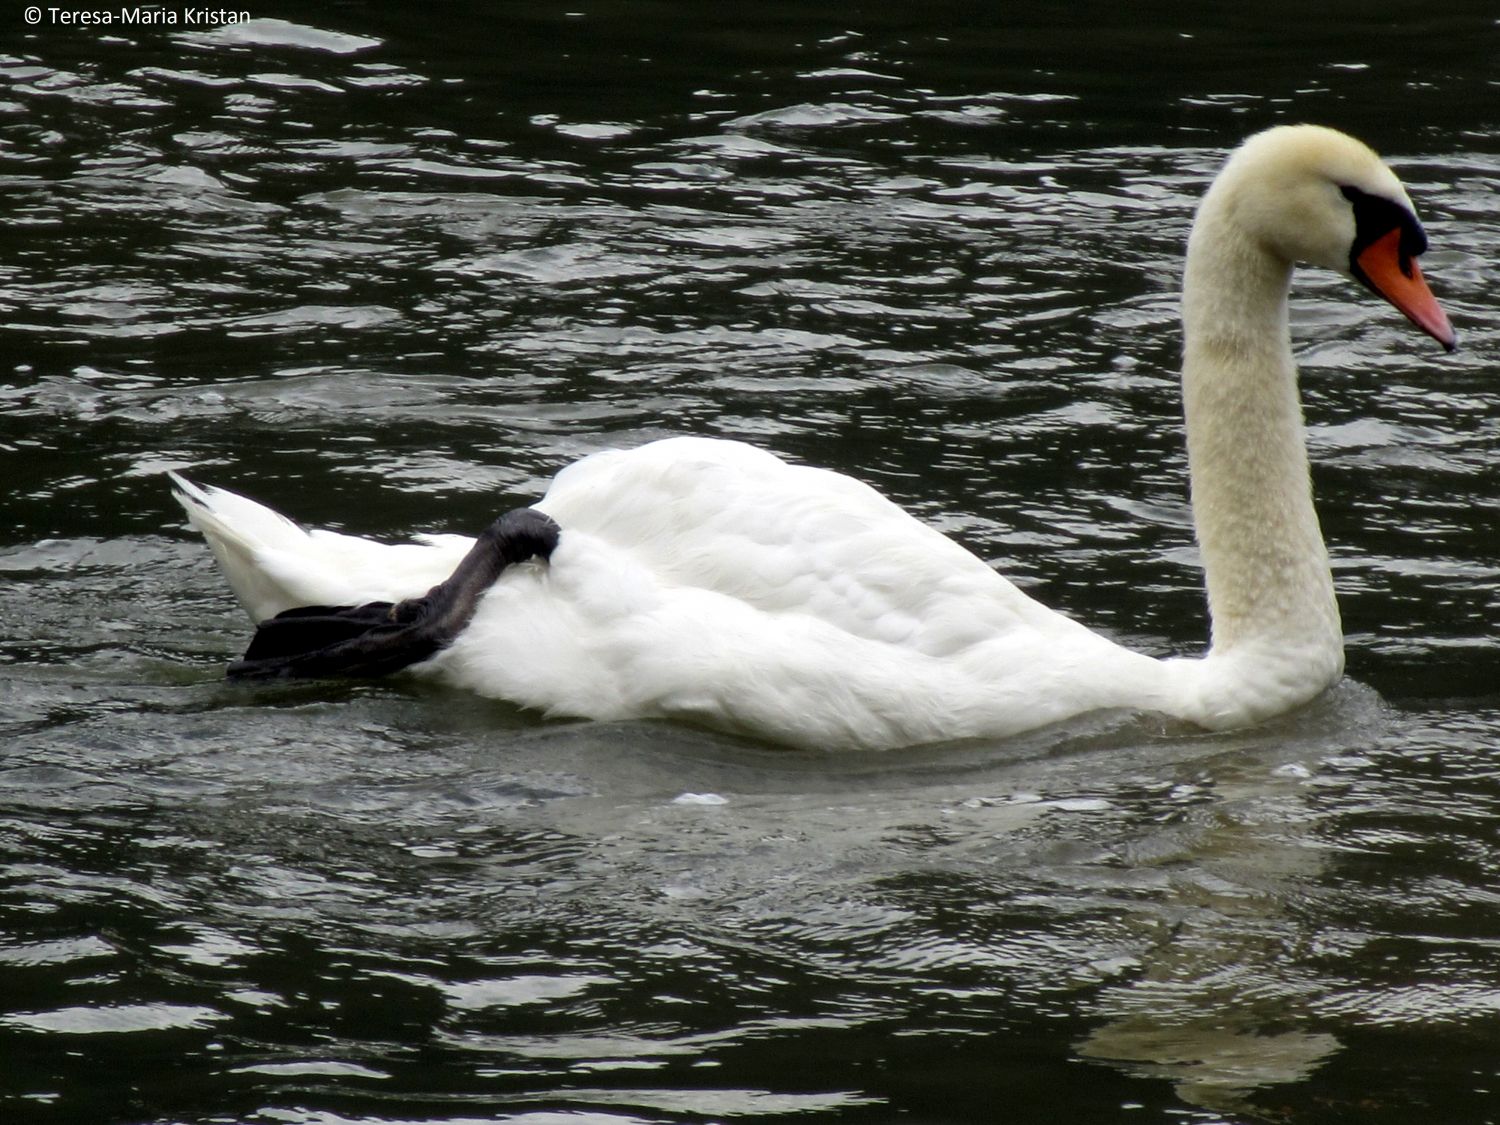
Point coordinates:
[(785, 538)]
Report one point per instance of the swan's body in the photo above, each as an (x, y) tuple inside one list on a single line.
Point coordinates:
[(710, 581)]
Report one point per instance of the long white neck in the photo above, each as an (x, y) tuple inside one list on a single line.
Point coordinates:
[(1276, 632)]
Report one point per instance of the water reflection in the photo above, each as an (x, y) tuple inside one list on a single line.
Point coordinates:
[(556, 904)]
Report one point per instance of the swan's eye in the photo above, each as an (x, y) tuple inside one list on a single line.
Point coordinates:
[(1375, 217)]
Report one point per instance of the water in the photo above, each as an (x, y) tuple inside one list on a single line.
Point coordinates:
[(390, 272)]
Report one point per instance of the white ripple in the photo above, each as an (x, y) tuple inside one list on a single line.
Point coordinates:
[(114, 1019)]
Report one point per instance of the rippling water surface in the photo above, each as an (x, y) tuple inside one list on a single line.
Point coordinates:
[(389, 272)]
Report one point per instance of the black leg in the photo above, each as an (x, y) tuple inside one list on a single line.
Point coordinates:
[(378, 638)]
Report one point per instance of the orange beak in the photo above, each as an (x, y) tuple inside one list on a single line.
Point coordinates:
[(1398, 278)]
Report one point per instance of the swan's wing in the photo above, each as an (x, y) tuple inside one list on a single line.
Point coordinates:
[(693, 513), (273, 564), (597, 633), (740, 522)]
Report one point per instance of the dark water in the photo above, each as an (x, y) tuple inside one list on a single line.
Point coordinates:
[(389, 268)]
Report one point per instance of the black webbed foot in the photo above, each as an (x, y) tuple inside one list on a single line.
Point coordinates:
[(378, 638)]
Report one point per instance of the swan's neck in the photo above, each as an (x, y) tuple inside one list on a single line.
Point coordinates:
[(1270, 593)]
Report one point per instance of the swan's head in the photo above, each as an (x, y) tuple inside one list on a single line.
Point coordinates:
[(1311, 194)]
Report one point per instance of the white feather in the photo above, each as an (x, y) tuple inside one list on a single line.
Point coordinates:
[(273, 564)]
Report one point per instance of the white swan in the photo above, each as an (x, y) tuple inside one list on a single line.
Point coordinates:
[(710, 581)]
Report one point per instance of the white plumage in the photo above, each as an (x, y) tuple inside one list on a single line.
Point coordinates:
[(710, 581)]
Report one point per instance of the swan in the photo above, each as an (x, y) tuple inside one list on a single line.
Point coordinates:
[(711, 582)]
